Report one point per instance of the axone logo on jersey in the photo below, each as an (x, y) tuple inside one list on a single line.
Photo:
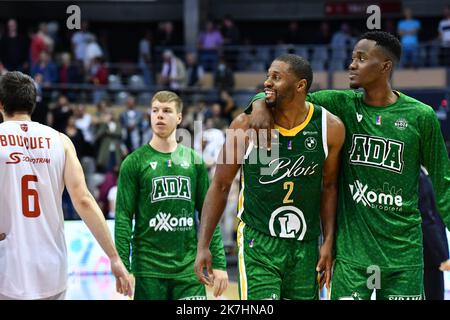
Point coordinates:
[(166, 222), (387, 199)]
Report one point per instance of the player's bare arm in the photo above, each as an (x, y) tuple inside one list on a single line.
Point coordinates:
[(92, 215), (216, 197), (335, 138), (262, 118)]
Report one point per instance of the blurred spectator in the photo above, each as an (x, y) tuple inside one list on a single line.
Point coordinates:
[(83, 122), (214, 117), (165, 35), (41, 42), (69, 72), (47, 68), (145, 57), (435, 246), (112, 195), (210, 42), (131, 122), (99, 78), (173, 73), (79, 42), (109, 182), (98, 116), (14, 48), (293, 34), (108, 138), (93, 51), (195, 72), (230, 32), (76, 136), (58, 117), (52, 32), (147, 131), (228, 106), (223, 76), (323, 36), (341, 42), (444, 35), (212, 142), (408, 30)]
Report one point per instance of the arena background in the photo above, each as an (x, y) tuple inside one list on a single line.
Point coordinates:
[(127, 41)]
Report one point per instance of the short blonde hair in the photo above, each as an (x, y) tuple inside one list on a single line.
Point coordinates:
[(169, 96)]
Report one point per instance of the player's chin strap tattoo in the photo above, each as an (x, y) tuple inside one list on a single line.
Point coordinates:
[(2, 236)]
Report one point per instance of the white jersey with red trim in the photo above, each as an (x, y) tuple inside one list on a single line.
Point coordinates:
[(33, 257)]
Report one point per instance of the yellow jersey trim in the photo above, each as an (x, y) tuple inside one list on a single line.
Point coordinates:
[(292, 132)]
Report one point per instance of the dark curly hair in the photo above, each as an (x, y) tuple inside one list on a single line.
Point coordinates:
[(387, 41), (300, 67)]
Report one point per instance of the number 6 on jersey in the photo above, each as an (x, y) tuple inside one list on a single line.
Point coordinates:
[(26, 194)]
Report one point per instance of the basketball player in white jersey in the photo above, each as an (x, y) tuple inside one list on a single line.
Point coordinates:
[(36, 162)]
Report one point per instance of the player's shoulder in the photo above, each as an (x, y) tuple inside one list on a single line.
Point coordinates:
[(420, 107)]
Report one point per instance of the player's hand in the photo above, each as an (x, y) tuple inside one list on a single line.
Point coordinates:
[(325, 264), (203, 260), (220, 282), (124, 282), (445, 266), (2, 236), (261, 120)]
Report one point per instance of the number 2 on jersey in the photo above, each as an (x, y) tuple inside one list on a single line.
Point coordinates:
[(288, 185), (26, 194)]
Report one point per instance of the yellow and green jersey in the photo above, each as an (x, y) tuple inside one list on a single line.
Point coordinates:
[(280, 190), (162, 192), (378, 220)]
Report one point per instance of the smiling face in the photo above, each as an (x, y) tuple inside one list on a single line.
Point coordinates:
[(369, 64), (164, 118), (281, 84)]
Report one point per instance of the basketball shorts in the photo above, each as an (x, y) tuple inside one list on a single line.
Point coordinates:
[(149, 288), (356, 283), (274, 268)]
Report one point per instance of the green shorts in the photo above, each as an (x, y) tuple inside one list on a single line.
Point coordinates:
[(149, 288), (273, 268), (350, 282)]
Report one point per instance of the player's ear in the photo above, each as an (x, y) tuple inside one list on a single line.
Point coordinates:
[(179, 118), (301, 85), (387, 66)]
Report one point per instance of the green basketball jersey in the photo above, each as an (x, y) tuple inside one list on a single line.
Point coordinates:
[(280, 194), (162, 191), (378, 220)]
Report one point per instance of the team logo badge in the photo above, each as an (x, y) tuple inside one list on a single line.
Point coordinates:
[(24, 127), (310, 143), (288, 222), (401, 124), (359, 117)]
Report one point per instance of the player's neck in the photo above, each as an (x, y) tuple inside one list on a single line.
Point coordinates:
[(17, 117), (166, 145), (291, 116), (379, 95)]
